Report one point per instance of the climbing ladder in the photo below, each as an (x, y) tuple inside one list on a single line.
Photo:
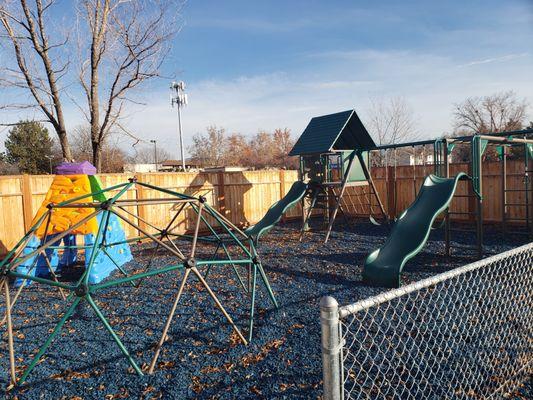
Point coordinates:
[(332, 197), (510, 201)]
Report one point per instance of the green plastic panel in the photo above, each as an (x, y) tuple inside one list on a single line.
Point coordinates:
[(96, 186), (356, 174)]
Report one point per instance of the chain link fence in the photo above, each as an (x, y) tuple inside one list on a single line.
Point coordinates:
[(465, 334)]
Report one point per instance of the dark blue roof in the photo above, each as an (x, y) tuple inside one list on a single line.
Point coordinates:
[(339, 131)]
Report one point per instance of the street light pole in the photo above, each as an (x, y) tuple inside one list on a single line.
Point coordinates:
[(179, 97), (155, 153)]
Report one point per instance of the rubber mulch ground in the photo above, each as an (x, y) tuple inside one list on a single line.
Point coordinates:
[(203, 358)]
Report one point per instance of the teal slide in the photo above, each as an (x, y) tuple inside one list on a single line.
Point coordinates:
[(410, 232), (276, 210)]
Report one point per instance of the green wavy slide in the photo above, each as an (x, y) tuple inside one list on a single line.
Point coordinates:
[(276, 210), (410, 232)]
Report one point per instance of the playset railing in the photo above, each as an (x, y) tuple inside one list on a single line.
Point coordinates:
[(466, 333)]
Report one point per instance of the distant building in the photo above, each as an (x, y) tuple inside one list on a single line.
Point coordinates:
[(141, 168), (421, 159), (175, 165), (225, 169)]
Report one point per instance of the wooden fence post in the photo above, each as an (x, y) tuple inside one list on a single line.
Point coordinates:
[(27, 201), (391, 192), (141, 209), (221, 193), (282, 190)]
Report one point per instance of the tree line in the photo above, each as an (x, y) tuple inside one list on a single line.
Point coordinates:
[(216, 148), (31, 149)]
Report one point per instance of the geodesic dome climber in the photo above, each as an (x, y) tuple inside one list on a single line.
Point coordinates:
[(190, 236)]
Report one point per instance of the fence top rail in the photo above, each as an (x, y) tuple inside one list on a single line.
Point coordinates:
[(354, 308)]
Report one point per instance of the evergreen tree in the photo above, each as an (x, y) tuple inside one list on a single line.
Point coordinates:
[(28, 145)]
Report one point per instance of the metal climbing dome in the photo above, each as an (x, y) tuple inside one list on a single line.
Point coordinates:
[(170, 236)]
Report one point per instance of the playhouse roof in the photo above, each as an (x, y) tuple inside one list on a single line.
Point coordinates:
[(339, 131)]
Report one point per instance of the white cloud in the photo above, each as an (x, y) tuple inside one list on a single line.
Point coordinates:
[(508, 57)]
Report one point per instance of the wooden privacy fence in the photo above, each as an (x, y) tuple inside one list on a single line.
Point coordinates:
[(244, 197), (398, 189)]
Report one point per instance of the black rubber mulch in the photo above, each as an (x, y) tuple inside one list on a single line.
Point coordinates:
[(203, 359)]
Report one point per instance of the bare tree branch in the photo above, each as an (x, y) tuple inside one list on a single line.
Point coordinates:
[(31, 39), (128, 43)]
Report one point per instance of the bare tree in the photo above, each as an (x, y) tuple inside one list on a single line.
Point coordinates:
[(146, 155), (39, 63), (392, 121), (498, 112), (128, 41), (238, 150), (113, 157), (283, 143), (495, 113), (210, 149), (263, 150)]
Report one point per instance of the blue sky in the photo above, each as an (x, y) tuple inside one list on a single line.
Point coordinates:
[(261, 65)]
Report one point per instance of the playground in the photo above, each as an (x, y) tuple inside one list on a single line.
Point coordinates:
[(201, 360), (134, 289)]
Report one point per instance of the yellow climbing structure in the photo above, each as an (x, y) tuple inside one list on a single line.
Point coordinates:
[(63, 188)]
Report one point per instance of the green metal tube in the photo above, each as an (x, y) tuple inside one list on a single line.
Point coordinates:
[(173, 251), (135, 239), (113, 335), (167, 191), (96, 247), (200, 238), (54, 240), (267, 285), (193, 206), (75, 199), (234, 268), (79, 247), (40, 280), (119, 267), (94, 288), (222, 262), (252, 304), (215, 215), (24, 238)]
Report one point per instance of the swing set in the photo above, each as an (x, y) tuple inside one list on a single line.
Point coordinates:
[(336, 153)]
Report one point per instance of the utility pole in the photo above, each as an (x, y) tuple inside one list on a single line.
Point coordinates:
[(179, 97), (155, 152)]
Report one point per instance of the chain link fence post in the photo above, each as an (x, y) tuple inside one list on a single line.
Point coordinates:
[(331, 348)]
